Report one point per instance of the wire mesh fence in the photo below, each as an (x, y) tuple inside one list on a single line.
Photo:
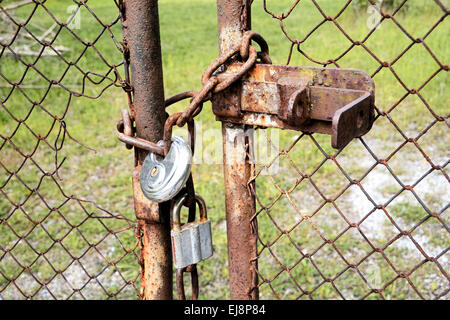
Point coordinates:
[(61, 63), (369, 221)]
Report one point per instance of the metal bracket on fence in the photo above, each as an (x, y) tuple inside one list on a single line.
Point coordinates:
[(338, 102)]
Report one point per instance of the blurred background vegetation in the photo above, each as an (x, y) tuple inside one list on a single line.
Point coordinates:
[(189, 44)]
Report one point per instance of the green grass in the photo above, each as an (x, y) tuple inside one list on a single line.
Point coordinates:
[(189, 43)]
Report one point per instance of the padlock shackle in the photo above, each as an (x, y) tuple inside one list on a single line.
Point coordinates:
[(176, 222)]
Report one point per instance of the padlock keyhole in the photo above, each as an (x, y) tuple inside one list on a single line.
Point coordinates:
[(154, 171)]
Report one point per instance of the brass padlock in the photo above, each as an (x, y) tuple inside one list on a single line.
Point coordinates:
[(191, 242)]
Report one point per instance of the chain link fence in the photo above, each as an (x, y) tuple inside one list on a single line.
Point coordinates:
[(369, 221), (61, 63)]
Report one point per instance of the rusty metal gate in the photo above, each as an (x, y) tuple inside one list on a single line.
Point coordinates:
[(335, 182)]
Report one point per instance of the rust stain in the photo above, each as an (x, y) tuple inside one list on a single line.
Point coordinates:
[(141, 33), (299, 98)]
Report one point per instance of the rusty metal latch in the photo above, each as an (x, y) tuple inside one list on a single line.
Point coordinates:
[(339, 102)]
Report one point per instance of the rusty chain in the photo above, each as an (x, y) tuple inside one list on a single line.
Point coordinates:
[(192, 269), (211, 84)]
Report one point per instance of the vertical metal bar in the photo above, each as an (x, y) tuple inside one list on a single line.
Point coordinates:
[(233, 19), (141, 31)]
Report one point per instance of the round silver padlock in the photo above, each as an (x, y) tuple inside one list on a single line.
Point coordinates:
[(162, 178)]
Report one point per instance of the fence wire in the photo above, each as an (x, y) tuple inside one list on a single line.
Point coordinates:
[(54, 58), (369, 221)]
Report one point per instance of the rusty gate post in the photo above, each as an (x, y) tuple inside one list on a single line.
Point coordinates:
[(233, 19), (141, 32)]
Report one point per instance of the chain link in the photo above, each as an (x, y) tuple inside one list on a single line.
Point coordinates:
[(211, 84), (192, 269)]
